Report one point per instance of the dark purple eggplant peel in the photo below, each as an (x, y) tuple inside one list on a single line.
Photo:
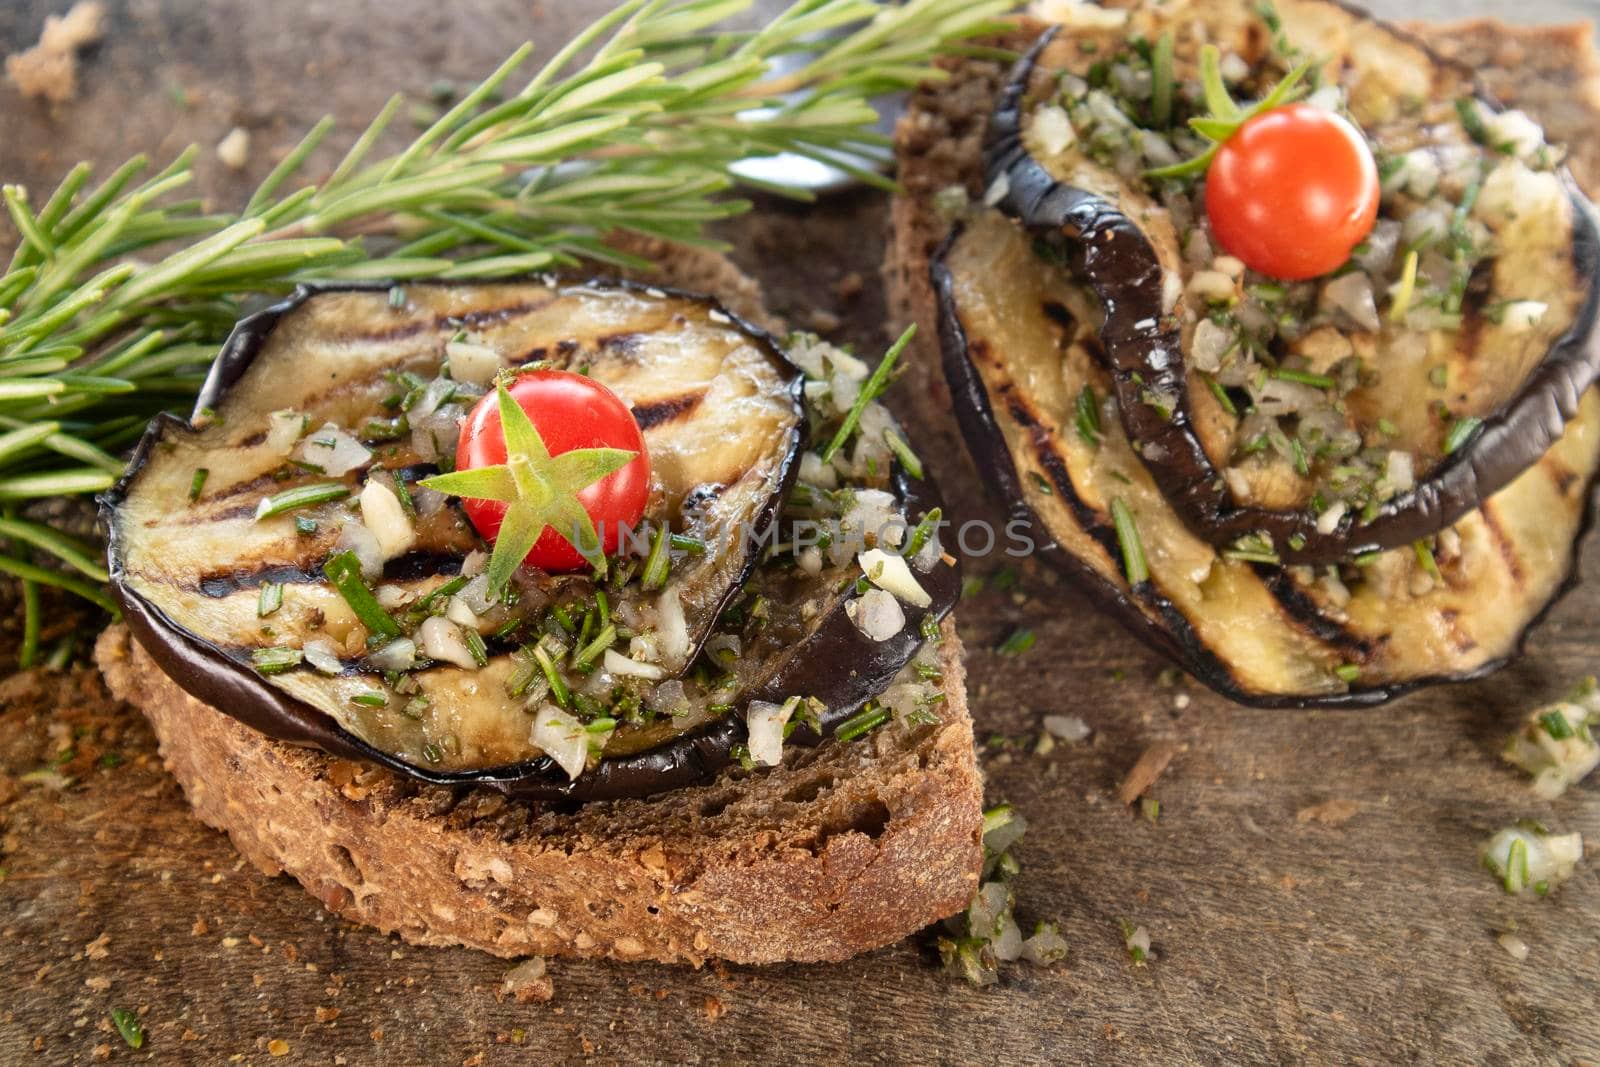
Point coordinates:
[(1144, 349), (808, 662)]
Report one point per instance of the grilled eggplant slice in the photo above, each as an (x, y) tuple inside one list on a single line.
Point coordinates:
[(217, 594), (1297, 418), (1022, 353)]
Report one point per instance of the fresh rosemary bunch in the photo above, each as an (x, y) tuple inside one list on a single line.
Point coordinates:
[(513, 178)]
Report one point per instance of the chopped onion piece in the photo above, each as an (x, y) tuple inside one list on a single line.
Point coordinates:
[(397, 655), (1212, 286), (815, 472), (323, 655), (283, 430), (1211, 343), (1052, 129), (1329, 520), (441, 640), (1521, 316), (1516, 131), (877, 614), (1066, 727), (1399, 471), (382, 514), (470, 363), (562, 738), (355, 537), (334, 452), (1353, 294), (459, 613), (672, 631), (1557, 744), (1523, 858), (890, 572), (617, 663), (766, 721)]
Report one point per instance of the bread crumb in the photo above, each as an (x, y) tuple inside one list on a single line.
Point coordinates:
[(278, 1047), (49, 70), (98, 983), (528, 983), (327, 1015), (715, 1008), (96, 949), (1331, 812)]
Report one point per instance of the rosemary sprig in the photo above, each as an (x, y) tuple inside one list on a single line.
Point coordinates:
[(633, 126)]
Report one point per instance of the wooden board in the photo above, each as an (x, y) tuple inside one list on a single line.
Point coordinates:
[(1367, 935)]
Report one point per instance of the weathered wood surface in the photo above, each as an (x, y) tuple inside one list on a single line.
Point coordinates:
[(1278, 937)]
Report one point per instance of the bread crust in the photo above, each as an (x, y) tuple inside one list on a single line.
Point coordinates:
[(842, 849)]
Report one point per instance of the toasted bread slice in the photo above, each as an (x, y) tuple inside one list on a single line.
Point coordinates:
[(841, 849)]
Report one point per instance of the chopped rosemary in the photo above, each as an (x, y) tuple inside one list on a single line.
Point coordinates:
[(276, 660), (658, 565), (1041, 483), (588, 654), (1088, 416), (902, 452), (1347, 673), (198, 482), (1019, 641), (558, 686), (923, 531), (1425, 560), (1460, 431), (1472, 120), (1221, 393), (870, 391), (1161, 83), (1316, 381), (475, 646), (372, 698), (303, 496), (128, 1025), (305, 525), (270, 600), (1134, 565), (343, 570), (684, 543), (862, 722), (1556, 725)]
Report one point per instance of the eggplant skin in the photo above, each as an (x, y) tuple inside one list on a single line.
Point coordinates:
[(1144, 348), (1520, 542), (811, 668)]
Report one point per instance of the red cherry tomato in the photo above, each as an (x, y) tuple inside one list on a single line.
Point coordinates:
[(569, 411), (1292, 192)]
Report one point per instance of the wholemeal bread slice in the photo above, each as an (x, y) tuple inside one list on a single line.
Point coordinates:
[(841, 849)]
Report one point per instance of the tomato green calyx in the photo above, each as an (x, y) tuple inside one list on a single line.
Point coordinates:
[(540, 491), (1225, 115)]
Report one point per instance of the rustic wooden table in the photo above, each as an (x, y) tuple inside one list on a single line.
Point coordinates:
[(1311, 886)]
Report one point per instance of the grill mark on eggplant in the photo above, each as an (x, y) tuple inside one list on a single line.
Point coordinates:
[(653, 413), (1563, 476), (1303, 613), (1123, 268), (1507, 550), (475, 317), (1058, 314)]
